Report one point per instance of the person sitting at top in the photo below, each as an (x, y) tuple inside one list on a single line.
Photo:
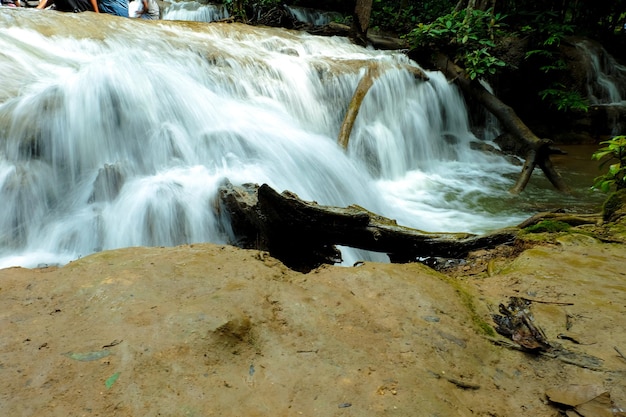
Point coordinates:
[(115, 7), (147, 9), (72, 6), (10, 3)]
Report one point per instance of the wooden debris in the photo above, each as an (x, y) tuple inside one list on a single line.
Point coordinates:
[(516, 322), (303, 234)]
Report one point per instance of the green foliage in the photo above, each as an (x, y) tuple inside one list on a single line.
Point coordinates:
[(546, 33), (614, 154), (563, 99), (400, 16), (470, 34), (480, 62), (239, 8)]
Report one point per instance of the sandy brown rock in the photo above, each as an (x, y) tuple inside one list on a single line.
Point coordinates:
[(207, 330)]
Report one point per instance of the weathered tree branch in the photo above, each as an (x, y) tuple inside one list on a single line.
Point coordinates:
[(373, 72), (303, 234), (537, 150), (355, 104)]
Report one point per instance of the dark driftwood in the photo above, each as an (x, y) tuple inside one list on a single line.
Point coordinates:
[(537, 151), (303, 234)]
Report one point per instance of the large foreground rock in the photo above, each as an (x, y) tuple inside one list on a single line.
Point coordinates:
[(207, 330)]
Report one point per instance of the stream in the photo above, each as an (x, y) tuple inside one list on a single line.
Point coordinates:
[(118, 132)]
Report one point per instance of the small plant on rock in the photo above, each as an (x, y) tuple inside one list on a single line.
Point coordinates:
[(614, 153)]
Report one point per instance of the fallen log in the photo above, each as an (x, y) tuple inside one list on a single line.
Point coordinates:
[(304, 235), (537, 151)]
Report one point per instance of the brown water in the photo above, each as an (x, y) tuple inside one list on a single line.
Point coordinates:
[(578, 170)]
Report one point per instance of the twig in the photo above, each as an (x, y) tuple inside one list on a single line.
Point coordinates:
[(457, 382), (620, 353), (547, 302), (113, 343), (578, 360)]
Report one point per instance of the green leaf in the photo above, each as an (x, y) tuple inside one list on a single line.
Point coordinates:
[(601, 154), (111, 380), (614, 169)]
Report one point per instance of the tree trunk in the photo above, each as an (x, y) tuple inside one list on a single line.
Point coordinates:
[(361, 21), (303, 234), (537, 150)]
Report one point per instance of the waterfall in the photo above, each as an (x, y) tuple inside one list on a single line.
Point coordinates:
[(311, 16), (118, 132), (606, 79), (194, 11), (606, 86)]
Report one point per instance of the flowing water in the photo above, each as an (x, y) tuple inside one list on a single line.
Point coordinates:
[(606, 83), (118, 132), (194, 11), (606, 78)]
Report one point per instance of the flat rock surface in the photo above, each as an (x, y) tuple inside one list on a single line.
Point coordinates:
[(206, 330)]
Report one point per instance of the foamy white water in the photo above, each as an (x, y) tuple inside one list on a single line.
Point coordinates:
[(194, 11), (118, 132)]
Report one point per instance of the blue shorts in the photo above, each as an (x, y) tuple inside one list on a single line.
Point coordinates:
[(116, 7)]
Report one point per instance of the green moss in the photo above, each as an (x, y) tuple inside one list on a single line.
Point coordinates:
[(549, 226), (613, 205), (468, 301)]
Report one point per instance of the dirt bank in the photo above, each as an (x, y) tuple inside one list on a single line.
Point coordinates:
[(208, 330)]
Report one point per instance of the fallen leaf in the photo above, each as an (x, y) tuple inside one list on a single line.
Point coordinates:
[(600, 406), (574, 395)]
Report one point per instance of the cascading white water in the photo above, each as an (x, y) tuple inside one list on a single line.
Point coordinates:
[(606, 82), (313, 17), (194, 11), (606, 78), (117, 132)]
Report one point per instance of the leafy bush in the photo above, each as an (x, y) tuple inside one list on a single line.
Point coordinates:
[(564, 99), (546, 33), (238, 8), (400, 16), (468, 34), (615, 154)]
